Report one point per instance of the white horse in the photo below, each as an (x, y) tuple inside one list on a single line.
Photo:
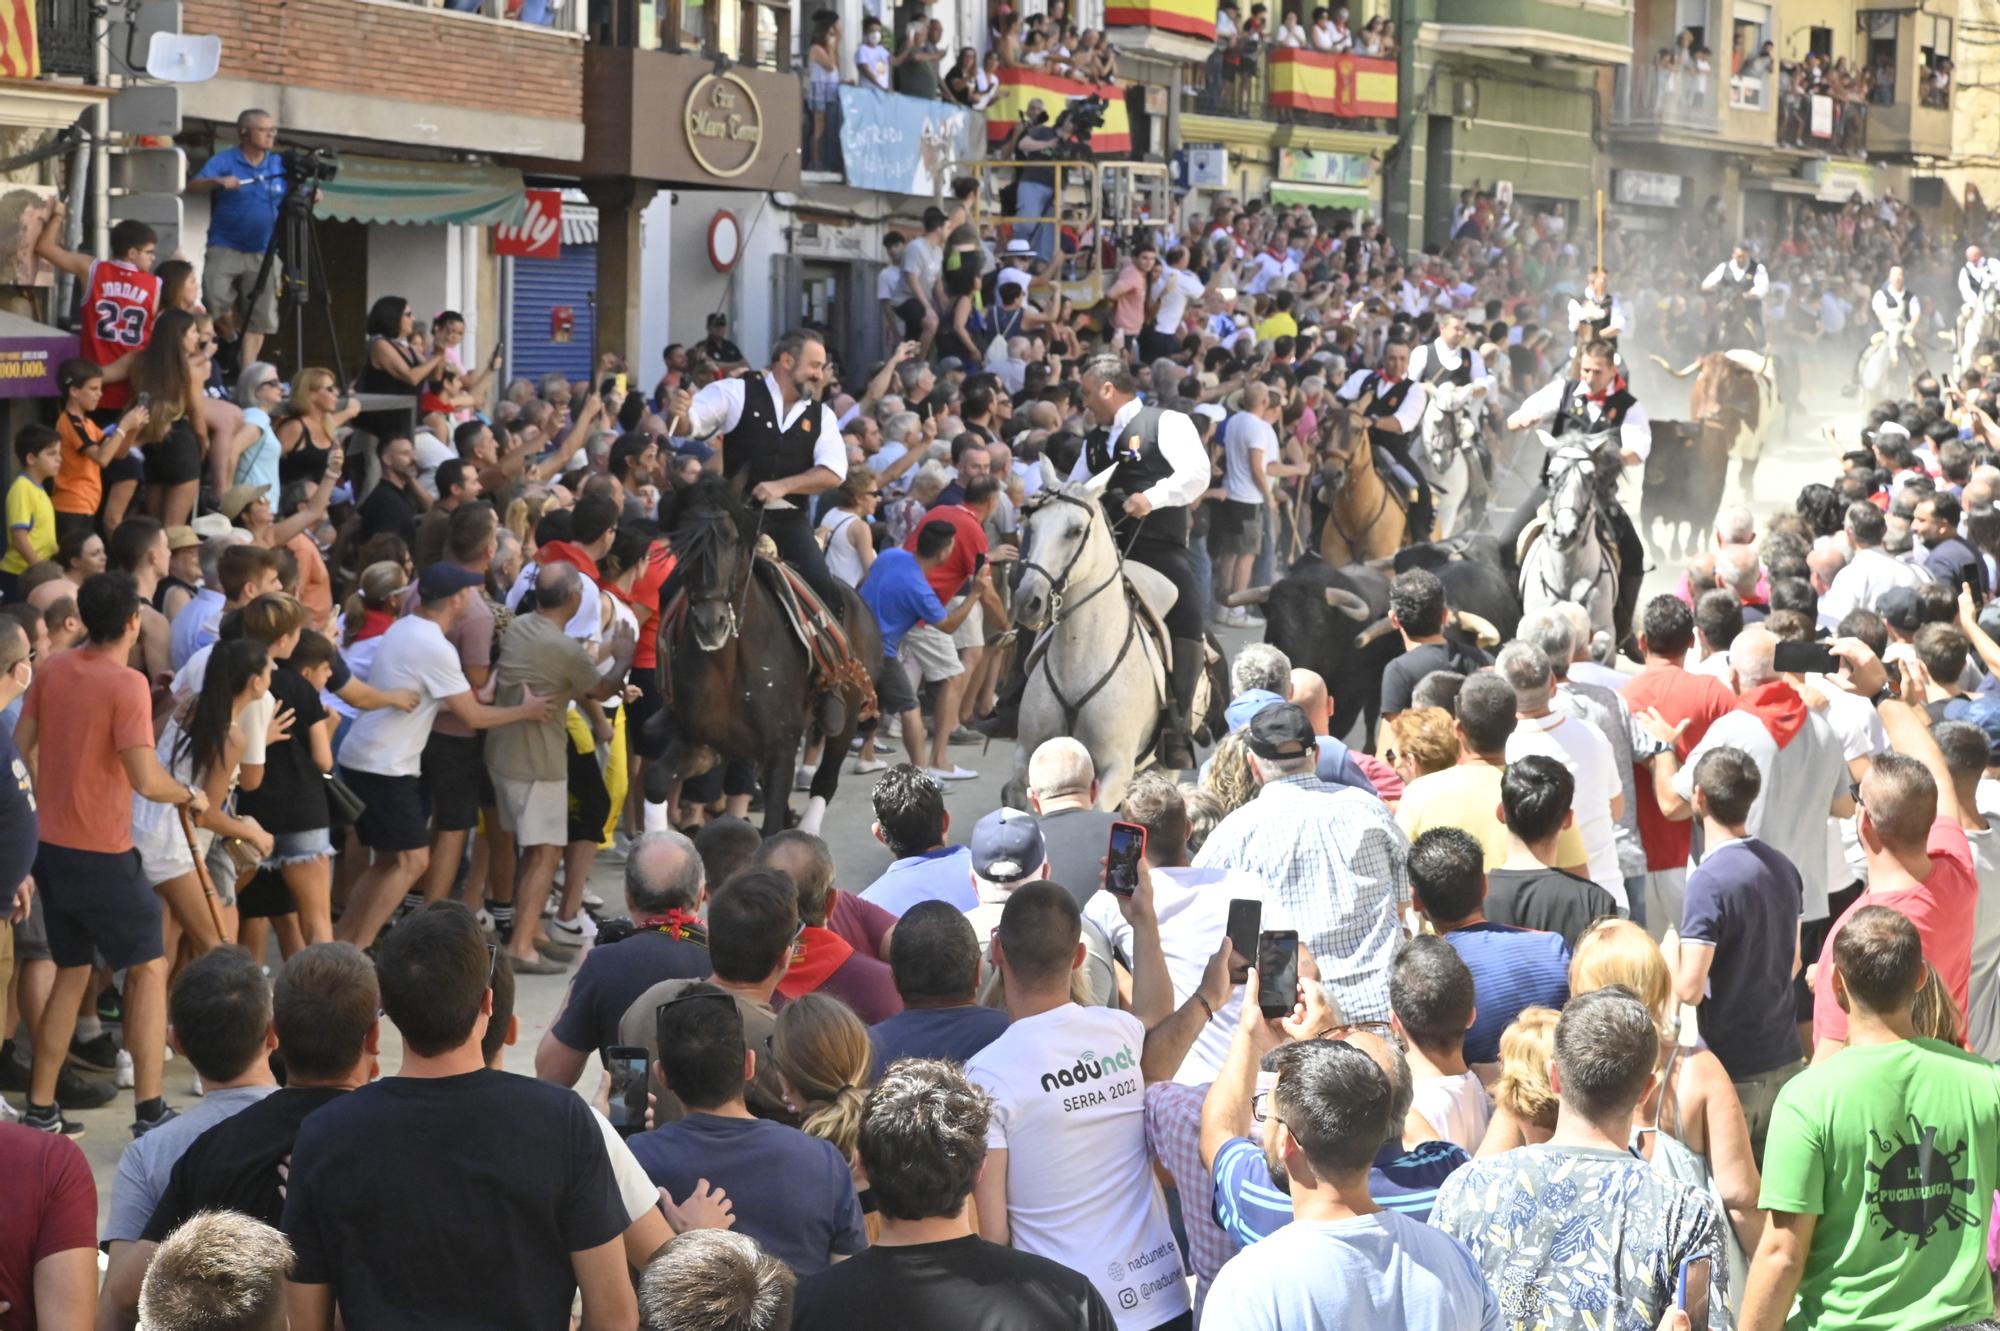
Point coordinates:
[(1564, 559), (1888, 365), (1450, 435), (1096, 671), (1982, 323)]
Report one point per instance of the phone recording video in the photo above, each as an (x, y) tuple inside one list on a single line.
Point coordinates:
[(628, 1088), (1801, 658), (1278, 971), (1121, 867), (1692, 1295)]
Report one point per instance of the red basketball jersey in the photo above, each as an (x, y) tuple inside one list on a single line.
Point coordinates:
[(120, 304)]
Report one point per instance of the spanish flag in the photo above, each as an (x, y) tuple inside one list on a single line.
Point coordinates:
[(1190, 18), (1018, 87), (20, 51), (1335, 85)]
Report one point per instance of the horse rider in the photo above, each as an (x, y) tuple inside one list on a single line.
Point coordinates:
[(1745, 282), (1976, 277), (1896, 309), (1597, 402), (780, 446), (1395, 409), (1446, 360), (1596, 314)]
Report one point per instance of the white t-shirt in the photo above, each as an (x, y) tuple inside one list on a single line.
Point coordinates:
[(253, 723), (1193, 909), (1858, 727), (873, 62), (923, 264), (1176, 287), (1246, 434), (636, 1190), (1069, 1108), (414, 654), (1582, 748), (431, 453), (1457, 1108), (889, 285)]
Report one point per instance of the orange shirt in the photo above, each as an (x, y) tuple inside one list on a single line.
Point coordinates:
[(79, 483), (88, 708)]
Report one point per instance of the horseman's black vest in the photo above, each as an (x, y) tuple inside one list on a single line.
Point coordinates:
[(758, 445), (1436, 373), (1139, 466), (1573, 412), (1387, 402), (1974, 278), (1902, 302), (1744, 283), (1591, 329)]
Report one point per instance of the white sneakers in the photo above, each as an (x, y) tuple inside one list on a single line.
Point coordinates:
[(952, 773)]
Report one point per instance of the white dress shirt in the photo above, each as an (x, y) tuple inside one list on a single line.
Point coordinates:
[(1180, 445), (718, 408), (1635, 435), (1974, 279), (1408, 415), (1582, 309), (1760, 284)]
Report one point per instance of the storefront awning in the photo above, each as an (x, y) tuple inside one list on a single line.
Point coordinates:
[(1320, 196), (383, 189), (29, 355)]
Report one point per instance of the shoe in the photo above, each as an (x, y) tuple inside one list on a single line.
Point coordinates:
[(966, 735), (592, 902), (74, 1092), (50, 1119), (952, 773), (110, 1006), (142, 1126), (124, 1076), (567, 935), (14, 1074), (1000, 723), (98, 1055), (9, 1114), (1250, 617), (485, 918), (538, 965), (862, 768), (802, 779)]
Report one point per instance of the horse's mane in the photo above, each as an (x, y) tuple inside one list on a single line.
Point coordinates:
[(703, 516)]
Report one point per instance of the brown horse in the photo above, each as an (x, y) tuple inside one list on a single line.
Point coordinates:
[(1363, 521)]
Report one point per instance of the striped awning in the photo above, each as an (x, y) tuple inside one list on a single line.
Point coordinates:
[(388, 190), (1320, 196)]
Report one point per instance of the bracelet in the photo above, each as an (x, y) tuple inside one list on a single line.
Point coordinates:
[(1204, 1005)]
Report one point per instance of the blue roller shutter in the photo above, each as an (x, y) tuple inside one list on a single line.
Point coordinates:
[(540, 287)]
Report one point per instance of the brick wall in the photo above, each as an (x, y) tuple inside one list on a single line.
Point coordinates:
[(395, 50)]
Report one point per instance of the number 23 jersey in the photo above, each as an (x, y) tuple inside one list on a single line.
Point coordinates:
[(119, 306)]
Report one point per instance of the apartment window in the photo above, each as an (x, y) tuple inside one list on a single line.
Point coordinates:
[(1934, 37), (750, 32), (1752, 60), (1819, 42)]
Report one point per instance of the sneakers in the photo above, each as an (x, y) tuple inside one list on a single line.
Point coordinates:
[(98, 1055), (567, 935), (142, 1126), (802, 779), (1251, 618), (592, 902), (48, 1118), (74, 1092), (863, 768), (952, 773), (110, 1007)]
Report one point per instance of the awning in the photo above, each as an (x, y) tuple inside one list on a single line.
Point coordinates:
[(1320, 196), (29, 355), (383, 189)]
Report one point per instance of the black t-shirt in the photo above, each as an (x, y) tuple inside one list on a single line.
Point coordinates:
[(1547, 899), (722, 351), (293, 795), (966, 1284), (427, 1202), (389, 508), (19, 826), (612, 978), (234, 1165), (1402, 675)]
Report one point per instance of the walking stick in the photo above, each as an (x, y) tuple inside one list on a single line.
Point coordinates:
[(208, 893)]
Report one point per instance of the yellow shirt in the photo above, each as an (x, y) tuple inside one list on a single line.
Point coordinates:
[(1281, 324), (1468, 796), (29, 509)]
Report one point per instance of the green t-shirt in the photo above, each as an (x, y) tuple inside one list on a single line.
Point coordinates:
[(1896, 1148)]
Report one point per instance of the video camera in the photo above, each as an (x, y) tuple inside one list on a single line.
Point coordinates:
[(1082, 117), (308, 165)]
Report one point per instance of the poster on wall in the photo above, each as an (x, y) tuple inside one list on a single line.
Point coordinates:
[(24, 211), (538, 235), (902, 144)]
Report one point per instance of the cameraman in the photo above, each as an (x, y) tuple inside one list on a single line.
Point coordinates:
[(1035, 186), (248, 182)]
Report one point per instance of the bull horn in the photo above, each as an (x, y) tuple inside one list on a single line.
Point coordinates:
[(1347, 603), (1381, 628), (1667, 365), (1482, 630), (1249, 596)]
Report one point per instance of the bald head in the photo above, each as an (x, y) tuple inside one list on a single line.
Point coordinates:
[(1735, 525), (558, 587), (1061, 769), (663, 872), (1826, 558), (1754, 656), (1309, 692)]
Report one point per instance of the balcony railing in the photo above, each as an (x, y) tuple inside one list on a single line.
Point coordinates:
[(556, 15), (1818, 122), (1670, 95), (1294, 86), (64, 37)]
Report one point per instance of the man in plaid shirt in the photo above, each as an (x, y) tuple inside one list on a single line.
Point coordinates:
[(1332, 860)]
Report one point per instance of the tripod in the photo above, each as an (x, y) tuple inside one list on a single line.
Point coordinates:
[(302, 279)]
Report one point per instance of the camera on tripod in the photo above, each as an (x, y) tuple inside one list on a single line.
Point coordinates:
[(309, 166), (1080, 118)]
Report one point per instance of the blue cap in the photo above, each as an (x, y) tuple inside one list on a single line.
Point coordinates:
[(1007, 846), (441, 581), (694, 448), (1986, 715), (1247, 704)]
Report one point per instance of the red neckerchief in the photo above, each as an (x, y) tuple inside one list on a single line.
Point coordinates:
[(374, 623), (684, 925), (568, 552), (1779, 706), (817, 955)]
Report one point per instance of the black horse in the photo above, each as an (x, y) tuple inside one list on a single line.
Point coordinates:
[(736, 677)]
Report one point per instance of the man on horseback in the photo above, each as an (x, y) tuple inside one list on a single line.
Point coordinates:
[(1395, 409), (1978, 276), (1596, 315), (1456, 386), (1744, 283), (1896, 309), (1599, 403)]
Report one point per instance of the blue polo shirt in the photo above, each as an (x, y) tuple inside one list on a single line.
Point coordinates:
[(900, 596), (944, 874), (243, 218), (1250, 1206), (1511, 969)]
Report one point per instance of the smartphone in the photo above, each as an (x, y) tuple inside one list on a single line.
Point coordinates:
[(1800, 658), (1121, 859), (609, 386), (619, 381), (1246, 918), (628, 1088), (1691, 1297), (143, 400), (1278, 971)]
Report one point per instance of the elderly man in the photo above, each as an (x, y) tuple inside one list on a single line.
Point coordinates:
[(1872, 572), (1578, 745), (1062, 791), (1738, 571), (248, 182), (902, 449), (1331, 858)]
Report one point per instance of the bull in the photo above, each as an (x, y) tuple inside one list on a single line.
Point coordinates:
[(1731, 409)]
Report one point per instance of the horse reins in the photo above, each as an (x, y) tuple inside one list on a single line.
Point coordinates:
[(1057, 607)]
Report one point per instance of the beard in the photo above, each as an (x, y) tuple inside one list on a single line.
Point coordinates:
[(1277, 1166)]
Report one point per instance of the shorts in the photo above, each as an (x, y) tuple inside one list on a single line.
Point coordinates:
[(265, 897), (931, 654), (128, 468), (972, 633), (31, 936), (892, 688), (452, 764), (733, 777), (536, 812), (226, 278), (911, 312), (1236, 529), (589, 799), (97, 904), (176, 459), (221, 869), (299, 847), (398, 816)]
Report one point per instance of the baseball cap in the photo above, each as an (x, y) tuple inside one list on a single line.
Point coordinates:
[(1007, 846), (180, 538), (697, 450), (1281, 731), (239, 497), (1901, 609), (1986, 715), (440, 581)]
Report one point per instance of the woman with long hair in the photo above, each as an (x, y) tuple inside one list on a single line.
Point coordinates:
[(291, 802), (850, 544), (166, 370), (307, 432), (203, 745), (392, 364), (961, 79), (823, 1059)]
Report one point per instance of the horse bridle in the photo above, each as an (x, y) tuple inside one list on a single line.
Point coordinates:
[(729, 598), (1059, 583)]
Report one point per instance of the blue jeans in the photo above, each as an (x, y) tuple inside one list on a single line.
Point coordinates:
[(1034, 199)]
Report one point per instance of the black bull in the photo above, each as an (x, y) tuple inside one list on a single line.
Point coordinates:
[(1332, 620), (1685, 477)]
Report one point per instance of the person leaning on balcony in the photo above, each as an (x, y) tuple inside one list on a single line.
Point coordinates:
[(822, 83), (248, 182)]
